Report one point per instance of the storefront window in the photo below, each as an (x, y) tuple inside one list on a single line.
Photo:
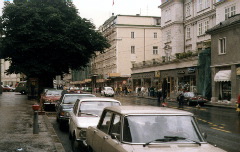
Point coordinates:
[(225, 91), (187, 84)]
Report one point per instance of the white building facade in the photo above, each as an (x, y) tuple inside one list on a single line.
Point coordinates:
[(11, 79), (133, 39)]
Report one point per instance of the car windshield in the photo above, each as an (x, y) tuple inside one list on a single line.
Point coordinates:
[(54, 92), (95, 107), (71, 99), (143, 129)]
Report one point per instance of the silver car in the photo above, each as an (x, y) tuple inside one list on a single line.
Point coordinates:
[(65, 105), (146, 128), (86, 112)]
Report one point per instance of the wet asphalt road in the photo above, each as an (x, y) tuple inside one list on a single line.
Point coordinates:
[(222, 125)]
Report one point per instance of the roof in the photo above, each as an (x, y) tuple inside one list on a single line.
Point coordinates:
[(230, 21), (147, 110)]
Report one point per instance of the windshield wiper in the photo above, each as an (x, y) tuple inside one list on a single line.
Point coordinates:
[(171, 138), (89, 114), (182, 138)]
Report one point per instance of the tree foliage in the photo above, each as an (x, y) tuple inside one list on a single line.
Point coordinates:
[(47, 38)]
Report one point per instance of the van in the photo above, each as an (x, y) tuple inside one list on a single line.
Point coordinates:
[(22, 87)]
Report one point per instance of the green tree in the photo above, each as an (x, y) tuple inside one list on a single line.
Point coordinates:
[(45, 38)]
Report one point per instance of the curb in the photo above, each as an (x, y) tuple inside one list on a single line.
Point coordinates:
[(57, 144)]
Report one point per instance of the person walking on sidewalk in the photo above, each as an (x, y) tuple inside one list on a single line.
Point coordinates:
[(159, 96), (238, 105)]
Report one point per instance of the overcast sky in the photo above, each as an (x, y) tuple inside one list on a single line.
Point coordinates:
[(98, 11)]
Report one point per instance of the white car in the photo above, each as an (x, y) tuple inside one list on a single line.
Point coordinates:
[(86, 112), (147, 129), (107, 91)]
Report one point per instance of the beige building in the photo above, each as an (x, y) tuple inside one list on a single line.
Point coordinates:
[(11, 79), (133, 39)]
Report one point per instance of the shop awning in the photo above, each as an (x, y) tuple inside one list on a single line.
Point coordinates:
[(223, 75)]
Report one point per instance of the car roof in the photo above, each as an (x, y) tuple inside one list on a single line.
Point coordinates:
[(125, 110), (80, 94), (99, 99)]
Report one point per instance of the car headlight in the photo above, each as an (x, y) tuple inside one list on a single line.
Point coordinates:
[(82, 133)]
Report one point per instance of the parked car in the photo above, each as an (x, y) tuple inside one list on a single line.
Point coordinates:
[(65, 105), (7, 88), (86, 112), (107, 91), (146, 128), (21, 87), (192, 98), (49, 99)]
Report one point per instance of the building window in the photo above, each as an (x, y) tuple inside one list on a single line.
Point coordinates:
[(132, 49), (132, 35), (230, 11), (188, 9), (203, 4), (200, 29), (203, 26), (222, 45), (188, 32), (155, 50), (155, 34)]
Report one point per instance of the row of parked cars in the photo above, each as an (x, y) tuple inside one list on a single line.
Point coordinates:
[(97, 124)]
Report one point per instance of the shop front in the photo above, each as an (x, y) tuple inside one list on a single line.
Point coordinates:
[(145, 80), (179, 80)]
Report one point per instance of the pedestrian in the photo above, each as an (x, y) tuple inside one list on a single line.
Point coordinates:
[(139, 91), (159, 96), (180, 99), (238, 105)]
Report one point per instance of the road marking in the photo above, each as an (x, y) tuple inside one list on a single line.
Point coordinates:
[(221, 130)]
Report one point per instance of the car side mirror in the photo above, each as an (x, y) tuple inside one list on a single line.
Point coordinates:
[(204, 135)]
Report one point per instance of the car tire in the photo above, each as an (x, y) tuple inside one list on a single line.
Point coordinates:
[(23, 92), (69, 135), (75, 144), (90, 149), (61, 126), (57, 119), (189, 103)]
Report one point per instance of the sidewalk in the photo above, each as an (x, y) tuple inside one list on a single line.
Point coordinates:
[(210, 104), (16, 127)]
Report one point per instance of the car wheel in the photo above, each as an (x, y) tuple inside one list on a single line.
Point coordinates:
[(75, 144), (90, 149), (57, 119), (69, 135), (23, 92), (105, 95)]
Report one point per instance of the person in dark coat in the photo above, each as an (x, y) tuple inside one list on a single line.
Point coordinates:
[(180, 99), (159, 96)]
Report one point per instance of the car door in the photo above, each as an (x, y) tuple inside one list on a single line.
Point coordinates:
[(100, 133), (111, 141), (72, 121)]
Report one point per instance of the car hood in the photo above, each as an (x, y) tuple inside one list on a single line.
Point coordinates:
[(85, 122), (172, 148)]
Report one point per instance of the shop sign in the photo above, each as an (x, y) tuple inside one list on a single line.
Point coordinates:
[(191, 70), (238, 71), (180, 72), (157, 74)]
